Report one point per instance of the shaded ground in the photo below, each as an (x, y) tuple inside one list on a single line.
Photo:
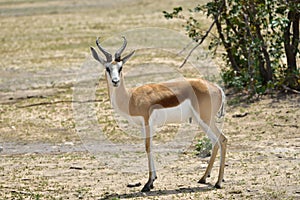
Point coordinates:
[(44, 44)]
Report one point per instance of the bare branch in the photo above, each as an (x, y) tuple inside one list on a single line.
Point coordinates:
[(290, 89), (204, 36), (195, 47)]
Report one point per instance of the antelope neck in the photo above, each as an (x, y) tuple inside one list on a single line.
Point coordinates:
[(119, 96)]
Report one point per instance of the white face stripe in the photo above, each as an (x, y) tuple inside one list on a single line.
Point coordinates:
[(114, 71)]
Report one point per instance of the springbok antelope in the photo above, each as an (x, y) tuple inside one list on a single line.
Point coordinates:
[(156, 104)]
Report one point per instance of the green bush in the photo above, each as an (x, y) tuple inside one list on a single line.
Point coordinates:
[(204, 147), (260, 38)]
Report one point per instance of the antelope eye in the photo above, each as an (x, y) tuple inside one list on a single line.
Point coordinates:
[(107, 69)]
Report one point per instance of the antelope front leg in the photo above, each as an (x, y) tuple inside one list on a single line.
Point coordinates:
[(152, 173)]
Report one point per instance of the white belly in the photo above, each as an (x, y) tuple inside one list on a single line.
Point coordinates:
[(163, 116), (178, 114)]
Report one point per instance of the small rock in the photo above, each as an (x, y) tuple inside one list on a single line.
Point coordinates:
[(69, 143), (1, 148), (144, 194), (203, 166), (279, 156)]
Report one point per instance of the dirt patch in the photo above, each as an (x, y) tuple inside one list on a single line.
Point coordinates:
[(264, 147)]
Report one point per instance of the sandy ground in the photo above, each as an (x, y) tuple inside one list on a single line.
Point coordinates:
[(47, 149), (262, 162)]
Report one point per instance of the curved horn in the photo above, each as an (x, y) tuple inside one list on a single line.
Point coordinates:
[(120, 51), (106, 53)]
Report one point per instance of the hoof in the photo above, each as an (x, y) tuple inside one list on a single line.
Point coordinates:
[(149, 185), (202, 180), (218, 186), (146, 188)]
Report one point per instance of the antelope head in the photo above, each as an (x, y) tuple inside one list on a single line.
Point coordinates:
[(113, 67)]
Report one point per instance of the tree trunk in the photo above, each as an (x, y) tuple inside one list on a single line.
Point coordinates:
[(291, 43), (227, 45), (266, 68), (264, 57)]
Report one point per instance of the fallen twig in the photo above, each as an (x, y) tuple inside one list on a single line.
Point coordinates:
[(56, 102), (286, 125), (21, 192), (290, 89), (134, 185), (76, 167), (240, 115)]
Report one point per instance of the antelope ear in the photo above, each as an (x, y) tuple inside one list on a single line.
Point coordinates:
[(96, 57), (124, 60)]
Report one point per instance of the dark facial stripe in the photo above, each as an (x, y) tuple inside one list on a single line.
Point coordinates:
[(120, 70), (108, 70)]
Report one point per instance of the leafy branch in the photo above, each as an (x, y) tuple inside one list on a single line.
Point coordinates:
[(260, 38), (176, 12)]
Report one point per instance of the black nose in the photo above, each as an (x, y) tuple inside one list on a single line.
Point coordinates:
[(115, 81)]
